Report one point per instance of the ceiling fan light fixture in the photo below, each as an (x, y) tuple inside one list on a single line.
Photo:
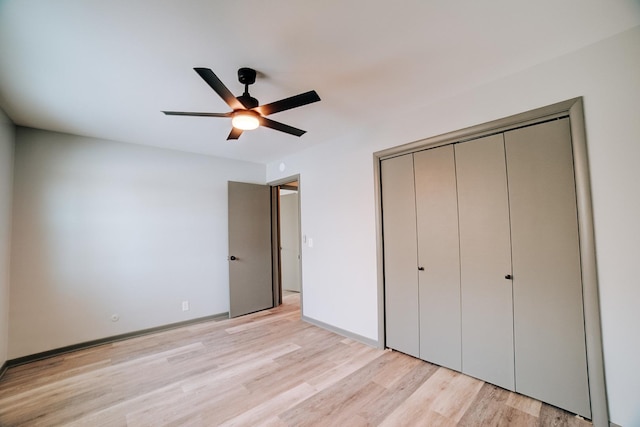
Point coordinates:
[(245, 120), (247, 113)]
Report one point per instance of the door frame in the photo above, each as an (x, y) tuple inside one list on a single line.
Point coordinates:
[(572, 108), (275, 237)]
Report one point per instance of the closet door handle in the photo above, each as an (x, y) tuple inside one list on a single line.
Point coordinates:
[(421, 268), (508, 277)]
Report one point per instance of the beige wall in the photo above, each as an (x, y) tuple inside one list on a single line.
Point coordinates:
[(342, 223), (7, 135), (103, 228)]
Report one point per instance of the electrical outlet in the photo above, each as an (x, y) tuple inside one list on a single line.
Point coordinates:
[(185, 305)]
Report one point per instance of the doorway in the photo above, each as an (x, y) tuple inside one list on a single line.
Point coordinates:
[(289, 238), (287, 265)]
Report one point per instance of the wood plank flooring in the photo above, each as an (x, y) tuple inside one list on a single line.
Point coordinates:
[(268, 369)]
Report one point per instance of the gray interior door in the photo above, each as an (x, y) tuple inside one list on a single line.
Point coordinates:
[(549, 324), (438, 256), (485, 260), (400, 255), (250, 286)]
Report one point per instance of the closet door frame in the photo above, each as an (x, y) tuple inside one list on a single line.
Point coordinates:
[(572, 108)]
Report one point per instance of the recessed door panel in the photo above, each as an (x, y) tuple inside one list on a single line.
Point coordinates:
[(400, 254), (549, 323), (438, 256), (485, 260)]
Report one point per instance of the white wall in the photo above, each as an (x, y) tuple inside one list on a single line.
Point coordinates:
[(7, 136), (338, 209), (104, 228)]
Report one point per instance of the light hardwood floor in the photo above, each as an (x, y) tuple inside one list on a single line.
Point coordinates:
[(267, 368)]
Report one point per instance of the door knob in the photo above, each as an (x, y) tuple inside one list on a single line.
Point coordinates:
[(421, 268), (508, 277), (232, 258)]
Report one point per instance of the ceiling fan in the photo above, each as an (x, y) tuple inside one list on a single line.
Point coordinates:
[(247, 114)]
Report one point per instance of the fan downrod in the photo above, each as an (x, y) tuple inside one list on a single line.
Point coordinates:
[(247, 76)]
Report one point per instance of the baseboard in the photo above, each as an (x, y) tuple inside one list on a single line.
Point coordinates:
[(613, 424), (3, 369), (94, 343), (344, 333)]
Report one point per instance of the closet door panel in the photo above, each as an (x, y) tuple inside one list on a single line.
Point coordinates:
[(400, 254), (485, 260), (549, 325), (438, 254)]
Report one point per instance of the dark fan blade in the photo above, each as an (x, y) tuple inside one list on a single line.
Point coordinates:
[(288, 103), (281, 127), (234, 134), (186, 113), (215, 83)]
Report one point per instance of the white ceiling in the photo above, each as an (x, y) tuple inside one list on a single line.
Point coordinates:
[(107, 68)]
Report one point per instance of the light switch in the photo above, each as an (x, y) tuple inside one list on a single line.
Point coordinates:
[(310, 242)]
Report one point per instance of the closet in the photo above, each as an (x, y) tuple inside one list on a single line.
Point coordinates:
[(422, 298), (482, 267)]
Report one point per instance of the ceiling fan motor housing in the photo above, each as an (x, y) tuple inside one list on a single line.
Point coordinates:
[(248, 101)]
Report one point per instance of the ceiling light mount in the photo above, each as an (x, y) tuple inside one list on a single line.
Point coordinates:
[(247, 76)]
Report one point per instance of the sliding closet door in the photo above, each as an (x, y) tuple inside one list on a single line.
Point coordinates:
[(400, 254), (438, 256), (485, 260), (549, 324)]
